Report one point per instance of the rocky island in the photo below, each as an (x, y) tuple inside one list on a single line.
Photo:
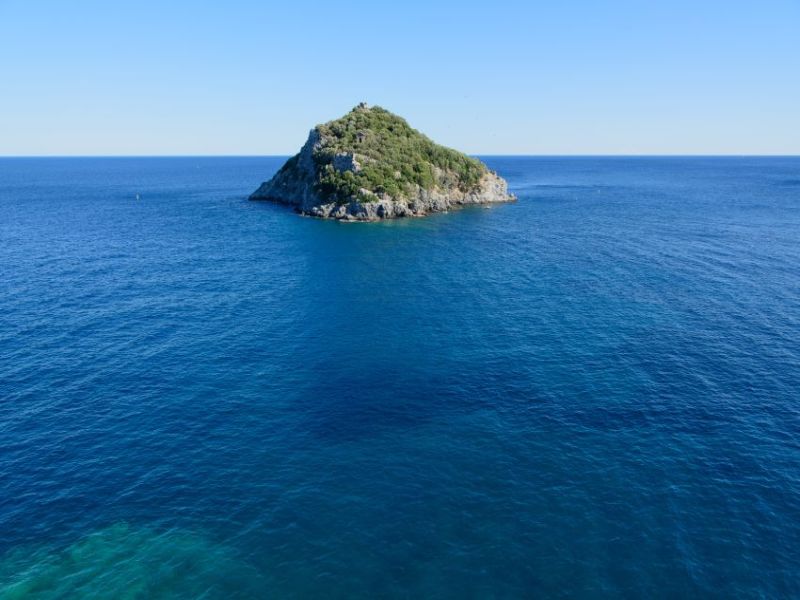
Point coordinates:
[(370, 165)]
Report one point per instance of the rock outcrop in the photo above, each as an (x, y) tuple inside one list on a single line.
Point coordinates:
[(370, 165)]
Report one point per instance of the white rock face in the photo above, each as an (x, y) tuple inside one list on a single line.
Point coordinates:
[(344, 161), (295, 187)]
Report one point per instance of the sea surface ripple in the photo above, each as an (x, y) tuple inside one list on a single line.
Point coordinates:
[(593, 392)]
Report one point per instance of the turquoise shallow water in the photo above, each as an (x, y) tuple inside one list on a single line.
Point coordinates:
[(592, 392)]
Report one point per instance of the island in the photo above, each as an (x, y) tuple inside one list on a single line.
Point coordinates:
[(371, 165)]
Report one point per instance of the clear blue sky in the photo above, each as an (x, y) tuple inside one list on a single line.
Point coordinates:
[(249, 77)]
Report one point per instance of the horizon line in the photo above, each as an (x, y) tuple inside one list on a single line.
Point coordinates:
[(488, 155)]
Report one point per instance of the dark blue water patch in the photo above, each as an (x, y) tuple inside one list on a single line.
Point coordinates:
[(589, 392)]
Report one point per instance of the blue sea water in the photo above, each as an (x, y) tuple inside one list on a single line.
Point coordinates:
[(593, 392)]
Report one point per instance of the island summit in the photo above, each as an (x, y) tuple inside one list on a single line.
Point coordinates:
[(371, 165)]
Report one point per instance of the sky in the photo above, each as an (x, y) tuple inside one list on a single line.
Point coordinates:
[(523, 77)]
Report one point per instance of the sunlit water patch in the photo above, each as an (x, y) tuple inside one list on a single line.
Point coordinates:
[(125, 562)]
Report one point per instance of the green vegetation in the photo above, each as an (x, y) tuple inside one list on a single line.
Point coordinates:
[(393, 158)]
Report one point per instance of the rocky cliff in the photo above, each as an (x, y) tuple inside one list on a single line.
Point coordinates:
[(372, 165)]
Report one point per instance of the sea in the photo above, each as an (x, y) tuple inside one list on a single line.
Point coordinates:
[(592, 392)]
